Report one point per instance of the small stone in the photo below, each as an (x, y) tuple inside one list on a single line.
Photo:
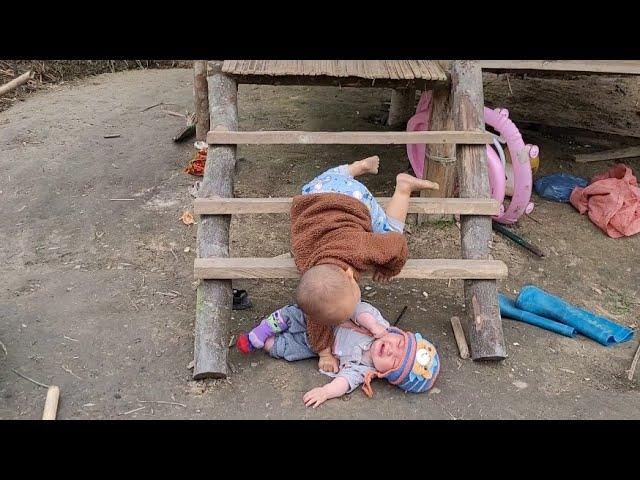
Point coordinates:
[(254, 364), (187, 249), (191, 365), (520, 385), (367, 288), (434, 390), (516, 344), (586, 379), (89, 405), (425, 294)]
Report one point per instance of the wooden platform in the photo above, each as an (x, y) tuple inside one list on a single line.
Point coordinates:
[(379, 73), (426, 205), (444, 269), (622, 67)]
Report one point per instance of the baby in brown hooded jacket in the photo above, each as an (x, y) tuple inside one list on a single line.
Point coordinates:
[(339, 230)]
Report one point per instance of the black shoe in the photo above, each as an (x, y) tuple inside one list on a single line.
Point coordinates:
[(241, 300)]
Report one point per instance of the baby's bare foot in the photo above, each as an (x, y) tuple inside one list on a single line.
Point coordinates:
[(409, 183), (371, 164)]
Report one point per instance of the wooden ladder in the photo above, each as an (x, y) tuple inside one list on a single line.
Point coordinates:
[(215, 205)]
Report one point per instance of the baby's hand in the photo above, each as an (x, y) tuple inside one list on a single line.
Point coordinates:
[(380, 277), (379, 331), (315, 397), (328, 363)]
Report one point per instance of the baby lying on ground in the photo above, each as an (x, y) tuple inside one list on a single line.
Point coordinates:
[(365, 345)]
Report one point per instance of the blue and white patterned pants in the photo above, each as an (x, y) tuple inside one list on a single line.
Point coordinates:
[(338, 180)]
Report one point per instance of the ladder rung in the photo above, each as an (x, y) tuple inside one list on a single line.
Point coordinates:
[(237, 268), (431, 206), (225, 137)]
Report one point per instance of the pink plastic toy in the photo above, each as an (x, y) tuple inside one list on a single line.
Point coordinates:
[(520, 154)]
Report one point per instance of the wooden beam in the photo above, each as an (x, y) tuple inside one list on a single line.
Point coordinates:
[(345, 138), (201, 99), (214, 297), (615, 154), (325, 80), (429, 206), (485, 325), (625, 67), (444, 269), (440, 161)]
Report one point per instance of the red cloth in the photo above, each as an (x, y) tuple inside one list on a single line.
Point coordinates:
[(612, 201)]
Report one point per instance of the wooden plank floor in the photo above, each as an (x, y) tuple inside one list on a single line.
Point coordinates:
[(368, 69)]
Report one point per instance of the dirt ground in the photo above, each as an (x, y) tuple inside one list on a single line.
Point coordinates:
[(97, 295)]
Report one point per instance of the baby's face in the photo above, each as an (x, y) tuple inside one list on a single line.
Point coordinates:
[(345, 305), (387, 352)]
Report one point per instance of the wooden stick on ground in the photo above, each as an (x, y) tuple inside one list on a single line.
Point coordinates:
[(634, 364), (51, 403), (615, 154), (460, 340), (16, 82)]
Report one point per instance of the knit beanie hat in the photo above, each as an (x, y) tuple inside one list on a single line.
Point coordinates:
[(418, 370)]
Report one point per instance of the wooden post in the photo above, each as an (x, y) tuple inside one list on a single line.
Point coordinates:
[(403, 103), (214, 297), (201, 99), (481, 296), (440, 161)]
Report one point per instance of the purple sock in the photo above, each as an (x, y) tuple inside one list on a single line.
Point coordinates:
[(268, 327)]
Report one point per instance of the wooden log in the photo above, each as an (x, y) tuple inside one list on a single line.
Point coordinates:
[(461, 341), (51, 403), (214, 297), (403, 105), (428, 206), (16, 82), (485, 325), (345, 138), (282, 267), (440, 161), (615, 154), (201, 99)]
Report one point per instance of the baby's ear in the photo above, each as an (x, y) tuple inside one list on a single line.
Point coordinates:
[(350, 273)]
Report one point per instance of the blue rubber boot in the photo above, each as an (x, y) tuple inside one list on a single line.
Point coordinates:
[(533, 299), (508, 309)]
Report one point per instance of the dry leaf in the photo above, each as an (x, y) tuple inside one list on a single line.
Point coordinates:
[(187, 218)]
